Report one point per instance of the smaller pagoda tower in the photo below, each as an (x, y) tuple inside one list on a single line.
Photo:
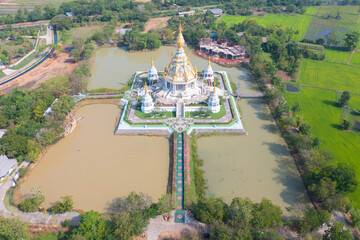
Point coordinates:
[(147, 105), (152, 74), (209, 73), (214, 101)]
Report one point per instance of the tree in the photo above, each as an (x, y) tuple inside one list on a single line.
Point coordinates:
[(61, 23), (57, 86), (134, 202), (345, 98), (165, 204), (265, 215), (92, 226), (32, 203), (312, 219), (65, 205), (219, 230), (241, 210), (352, 40), (12, 228), (338, 232), (211, 209)]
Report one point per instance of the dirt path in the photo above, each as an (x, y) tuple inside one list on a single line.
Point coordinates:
[(59, 64), (155, 23), (352, 54)]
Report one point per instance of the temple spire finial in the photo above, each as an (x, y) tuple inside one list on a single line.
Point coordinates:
[(180, 28), (180, 38), (152, 61), (146, 89), (209, 61)]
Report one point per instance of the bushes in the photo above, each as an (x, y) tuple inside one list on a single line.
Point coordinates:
[(200, 181), (65, 205), (32, 203)]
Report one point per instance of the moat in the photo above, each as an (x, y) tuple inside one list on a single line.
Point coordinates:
[(255, 166)]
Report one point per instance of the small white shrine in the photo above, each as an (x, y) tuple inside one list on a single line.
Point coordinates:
[(152, 74), (147, 105), (208, 73), (214, 101)]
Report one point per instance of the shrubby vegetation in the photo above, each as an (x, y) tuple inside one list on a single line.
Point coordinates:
[(22, 113), (33, 203)]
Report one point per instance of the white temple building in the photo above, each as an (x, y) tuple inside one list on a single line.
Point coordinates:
[(147, 105), (180, 77), (152, 74), (208, 73), (214, 101)]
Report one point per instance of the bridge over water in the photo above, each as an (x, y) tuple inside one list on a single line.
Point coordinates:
[(249, 95), (179, 185)]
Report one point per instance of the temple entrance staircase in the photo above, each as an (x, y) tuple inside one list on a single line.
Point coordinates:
[(180, 109)]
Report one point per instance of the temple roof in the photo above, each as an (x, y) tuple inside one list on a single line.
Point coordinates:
[(180, 68)]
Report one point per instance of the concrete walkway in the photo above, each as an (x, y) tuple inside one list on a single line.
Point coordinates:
[(158, 225)]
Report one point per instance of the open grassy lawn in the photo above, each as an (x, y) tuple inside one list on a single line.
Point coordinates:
[(37, 2), (330, 75), (66, 37), (320, 110), (355, 101), (298, 22), (355, 60), (334, 55), (325, 22)]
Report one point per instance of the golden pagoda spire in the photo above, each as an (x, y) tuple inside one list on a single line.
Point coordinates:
[(146, 90), (180, 38), (152, 61), (209, 61)]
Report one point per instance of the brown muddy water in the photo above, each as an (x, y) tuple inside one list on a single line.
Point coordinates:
[(96, 167), (113, 67), (254, 166)]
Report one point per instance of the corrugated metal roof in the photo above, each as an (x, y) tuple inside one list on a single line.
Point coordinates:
[(6, 164), (216, 11)]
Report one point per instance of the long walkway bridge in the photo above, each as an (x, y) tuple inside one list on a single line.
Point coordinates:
[(249, 95), (179, 213)]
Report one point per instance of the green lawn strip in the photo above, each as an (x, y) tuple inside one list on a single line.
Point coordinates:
[(218, 115), (299, 22), (37, 2), (330, 75), (146, 116), (66, 37), (26, 60), (355, 101), (320, 110), (2, 74), (355, 60), (339, 56)]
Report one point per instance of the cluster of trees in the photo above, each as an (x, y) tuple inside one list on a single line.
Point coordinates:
[(84, 11), (36, 199), (135, 40), (22, 113)]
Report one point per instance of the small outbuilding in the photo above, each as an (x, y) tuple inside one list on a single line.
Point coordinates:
[(2, 132), (216, 11), (6, 166)]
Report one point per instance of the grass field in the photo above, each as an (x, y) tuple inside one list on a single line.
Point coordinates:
[(355, 101), (298, 22), (320, 110), (321, 24), (330, 75), (339, 56), (37, 2), (66, 37), (355, 60)]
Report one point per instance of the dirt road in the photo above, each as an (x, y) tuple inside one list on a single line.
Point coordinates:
[(59, 64)]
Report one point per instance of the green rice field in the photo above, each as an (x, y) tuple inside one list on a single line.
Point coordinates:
[(320, 110), (355, 60), (325, 22), (339, 56), (298, 22), (330, 75), (37, 2)]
